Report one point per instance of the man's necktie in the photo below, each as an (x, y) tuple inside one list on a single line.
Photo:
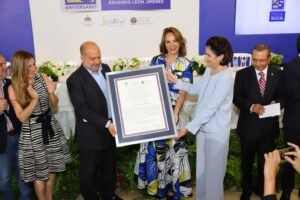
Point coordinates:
[(262, 83)]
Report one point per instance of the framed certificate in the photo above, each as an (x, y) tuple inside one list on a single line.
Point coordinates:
[(141, 106)]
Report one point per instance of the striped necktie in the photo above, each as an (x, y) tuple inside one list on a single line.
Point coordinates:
[(262, 83)]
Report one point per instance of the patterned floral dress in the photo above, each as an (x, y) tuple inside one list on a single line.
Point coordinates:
[(42, 145), (163, 165)]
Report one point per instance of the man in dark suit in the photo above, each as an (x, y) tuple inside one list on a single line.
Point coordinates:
[(291, 117), (10, 128), (94, 131), (255, 87)]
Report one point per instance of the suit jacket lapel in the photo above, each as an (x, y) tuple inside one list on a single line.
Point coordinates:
[(103, 71), (5, 92), (269, 82), (5, 88), (90, 80)]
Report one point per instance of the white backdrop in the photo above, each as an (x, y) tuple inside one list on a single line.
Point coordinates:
[(58, 35), (252, 17)]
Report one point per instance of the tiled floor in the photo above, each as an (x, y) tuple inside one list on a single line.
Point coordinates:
[(231, 194)]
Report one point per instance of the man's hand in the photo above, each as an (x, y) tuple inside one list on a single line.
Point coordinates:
[(259, 109), (112, 129), (3, 104)]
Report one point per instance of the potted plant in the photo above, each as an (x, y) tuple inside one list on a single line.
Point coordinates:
[(52, 71), (199, 64), (123, 64), (276, 60)]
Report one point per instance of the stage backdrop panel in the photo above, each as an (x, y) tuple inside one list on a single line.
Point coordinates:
[(267, 17), (127, 33)]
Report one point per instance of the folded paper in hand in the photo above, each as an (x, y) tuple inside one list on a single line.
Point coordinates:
[(271, 110)]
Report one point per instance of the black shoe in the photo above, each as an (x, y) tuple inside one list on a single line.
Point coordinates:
[(116, 197), (170, 197), (245, 196), (299, 193), (260, 194), (285, 196), (156, 197)]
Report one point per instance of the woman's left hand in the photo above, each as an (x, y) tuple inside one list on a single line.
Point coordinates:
[(171, 77), (51, 86), (182, 132)]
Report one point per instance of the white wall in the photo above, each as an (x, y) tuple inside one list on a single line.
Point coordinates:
[(252, 17), (58, 34)]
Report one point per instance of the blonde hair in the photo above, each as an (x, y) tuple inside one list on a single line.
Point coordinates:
[(19, 76)]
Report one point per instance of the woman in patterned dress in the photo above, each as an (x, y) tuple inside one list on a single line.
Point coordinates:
[(43, 147), (163, 165)]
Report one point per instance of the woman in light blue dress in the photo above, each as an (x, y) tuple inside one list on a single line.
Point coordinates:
[(211, 123)]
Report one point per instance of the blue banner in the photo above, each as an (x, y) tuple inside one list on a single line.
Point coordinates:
[(277, 16), (135, 4)]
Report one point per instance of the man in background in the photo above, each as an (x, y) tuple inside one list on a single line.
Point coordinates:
[(10, 128), (291, 117), (255, 87)]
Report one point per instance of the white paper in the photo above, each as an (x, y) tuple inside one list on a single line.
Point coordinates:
[(271, 110), (141, 105)]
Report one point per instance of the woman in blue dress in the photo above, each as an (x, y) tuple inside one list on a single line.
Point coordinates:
[(163, 165), (211, 123)]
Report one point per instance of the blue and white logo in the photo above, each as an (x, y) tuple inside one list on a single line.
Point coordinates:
[(277, 13), (277, 16), (277, 4)]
